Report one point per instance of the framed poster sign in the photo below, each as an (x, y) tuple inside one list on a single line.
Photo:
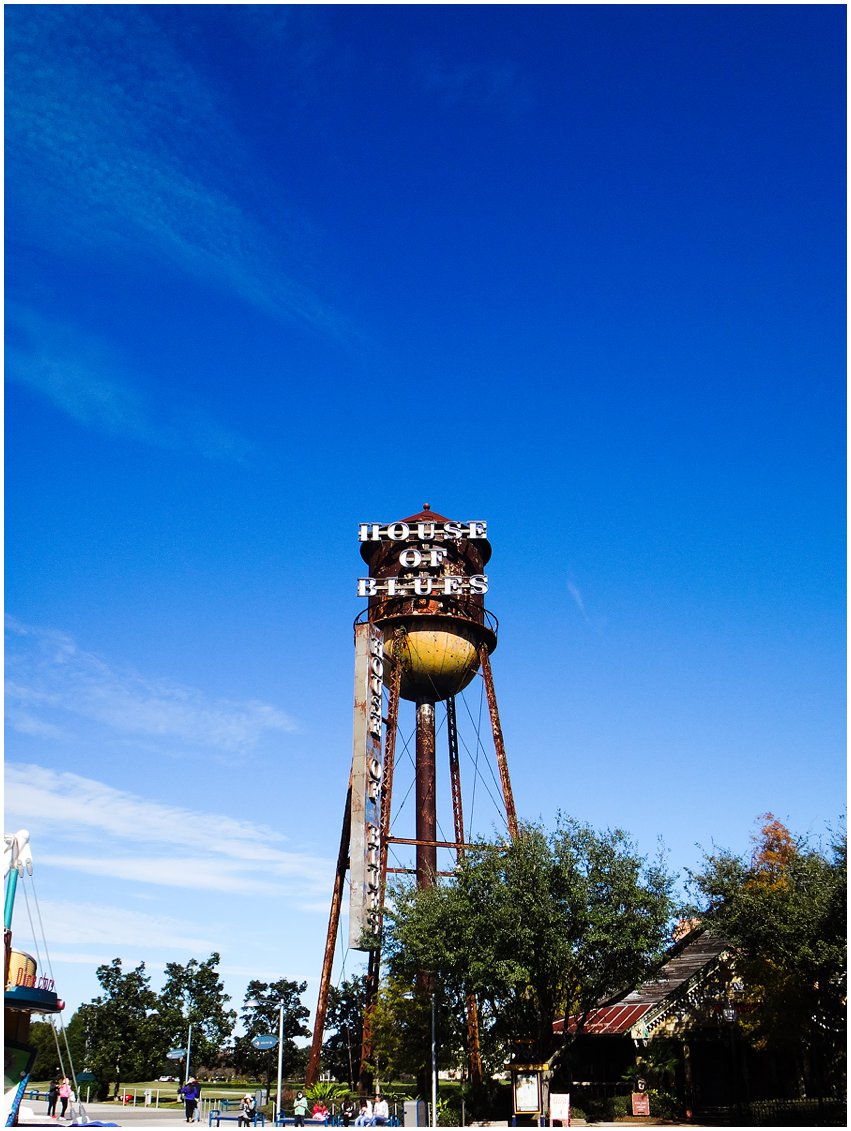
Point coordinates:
[(640, 1103), (527, 1093)]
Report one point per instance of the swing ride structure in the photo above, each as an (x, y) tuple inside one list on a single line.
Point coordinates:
[(423, 639), (25, 992)]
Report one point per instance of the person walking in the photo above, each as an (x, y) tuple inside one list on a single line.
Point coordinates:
[(64, 1095), (189, 1093), (300, 1109), (52, 1097)]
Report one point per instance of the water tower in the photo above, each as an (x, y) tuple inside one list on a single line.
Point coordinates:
[(424, 636)]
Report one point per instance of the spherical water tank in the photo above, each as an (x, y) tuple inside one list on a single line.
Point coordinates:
[(433, 624)]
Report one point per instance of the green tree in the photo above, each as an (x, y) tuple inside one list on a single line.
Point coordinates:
[(344, 1029), (545, 925), (43, 1039), (784, 909), (261, 1017), (195, 994), (114, 1032)]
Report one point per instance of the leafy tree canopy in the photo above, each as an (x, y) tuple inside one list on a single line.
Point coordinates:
[(195, 994), (261, 1017), (341, 1048), (113, 1035), (43, 1038), (784, 908), (545, 925)]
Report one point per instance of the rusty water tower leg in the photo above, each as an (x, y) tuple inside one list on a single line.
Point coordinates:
[(499, 744), (365, 1072), (426, 800), (387, 774), (330, 943), (455, 776), (458, 817)]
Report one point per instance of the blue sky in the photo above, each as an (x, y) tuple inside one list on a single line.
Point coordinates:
[(273, 271)]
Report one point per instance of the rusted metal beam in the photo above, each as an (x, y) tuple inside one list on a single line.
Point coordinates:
[(330, 944), (476, 1071), (499, 743), (455, 775), (458, 817), (430, 843), (364, 1074), (413, 872), (387, 774), (426, 801)]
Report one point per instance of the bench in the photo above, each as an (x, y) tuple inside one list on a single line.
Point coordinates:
[(216, 1117), (283, 1120)]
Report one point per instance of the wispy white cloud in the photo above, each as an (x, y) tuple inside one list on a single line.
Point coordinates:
[(573, 590), (82, 377), (174, 870), (51, 682), (132, 149), (136, 840), (83, 924)]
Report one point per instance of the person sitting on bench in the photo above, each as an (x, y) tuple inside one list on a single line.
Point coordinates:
[(247, 1111), (365, 1117), (380, 1112)]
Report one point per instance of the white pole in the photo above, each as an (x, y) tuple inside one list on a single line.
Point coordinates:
[(280, 1058), (188, 1052), (433, 1065)]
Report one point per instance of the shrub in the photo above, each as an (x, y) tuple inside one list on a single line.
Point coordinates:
[(664, 1105), (621, 1106), (326, 1092)]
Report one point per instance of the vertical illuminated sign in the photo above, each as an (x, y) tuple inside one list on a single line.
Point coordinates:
[(367, 768)]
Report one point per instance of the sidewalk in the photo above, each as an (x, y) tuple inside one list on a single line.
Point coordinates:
[(141, 1117)]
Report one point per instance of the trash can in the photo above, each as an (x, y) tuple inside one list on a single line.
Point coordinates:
[(415, 1113)]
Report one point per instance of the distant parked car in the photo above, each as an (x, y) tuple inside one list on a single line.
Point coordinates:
[(168, 1079)]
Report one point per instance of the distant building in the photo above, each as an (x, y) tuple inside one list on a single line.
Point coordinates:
[(692, 1007)]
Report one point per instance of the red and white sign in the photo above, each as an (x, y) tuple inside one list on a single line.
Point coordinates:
[(560, 1109), (640, 1103)]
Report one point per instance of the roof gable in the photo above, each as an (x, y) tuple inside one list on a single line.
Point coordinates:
[(690, 957)]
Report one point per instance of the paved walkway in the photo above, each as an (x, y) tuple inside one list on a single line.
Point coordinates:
[(141, 1117)]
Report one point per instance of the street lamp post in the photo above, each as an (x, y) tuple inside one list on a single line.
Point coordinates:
[(280, 1004), (280, 1058), (433, 1063)]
